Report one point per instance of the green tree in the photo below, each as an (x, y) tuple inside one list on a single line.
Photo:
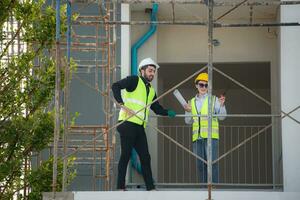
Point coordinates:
[(40, 180), (27, 84)]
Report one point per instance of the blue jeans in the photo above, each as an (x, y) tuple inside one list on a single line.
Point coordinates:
[(200, 148)]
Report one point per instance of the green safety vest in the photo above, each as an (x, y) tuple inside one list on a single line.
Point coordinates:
[(136, 100), (200, 124)]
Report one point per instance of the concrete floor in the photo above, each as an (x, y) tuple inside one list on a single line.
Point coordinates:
[(178, 195)]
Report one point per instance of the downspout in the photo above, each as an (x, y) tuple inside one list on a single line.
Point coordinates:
[(135, 161), (142, 40)]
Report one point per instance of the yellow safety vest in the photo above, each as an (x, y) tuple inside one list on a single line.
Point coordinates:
[(136, 100), (200, 124)]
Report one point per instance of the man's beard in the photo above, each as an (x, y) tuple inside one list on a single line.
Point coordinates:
[(148, 78)]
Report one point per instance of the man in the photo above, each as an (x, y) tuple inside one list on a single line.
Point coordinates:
[(199, 106), (138, 93)]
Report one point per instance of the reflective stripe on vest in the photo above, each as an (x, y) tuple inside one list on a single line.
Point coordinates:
[(200, 124), (136, 100)]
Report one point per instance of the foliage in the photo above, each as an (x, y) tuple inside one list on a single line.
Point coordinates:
[(27, 83), (40, 180)]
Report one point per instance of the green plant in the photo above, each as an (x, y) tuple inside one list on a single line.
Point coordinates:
[(40, 180), (27, 83)]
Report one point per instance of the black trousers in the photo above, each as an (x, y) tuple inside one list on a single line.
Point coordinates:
[(133, 136)]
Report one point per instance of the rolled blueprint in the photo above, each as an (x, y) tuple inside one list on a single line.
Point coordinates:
[(179, 97)]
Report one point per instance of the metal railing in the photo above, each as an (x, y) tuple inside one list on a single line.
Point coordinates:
[(248, 166)]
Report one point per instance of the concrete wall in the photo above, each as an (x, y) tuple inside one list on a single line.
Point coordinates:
[(290, 71), (189, 44), (125, 41)]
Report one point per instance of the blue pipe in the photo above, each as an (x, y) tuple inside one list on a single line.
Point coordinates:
[(135, 161), (142, 40)]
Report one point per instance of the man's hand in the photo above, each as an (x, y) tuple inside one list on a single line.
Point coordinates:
[(171, 113), (187, 107), (222, 100)]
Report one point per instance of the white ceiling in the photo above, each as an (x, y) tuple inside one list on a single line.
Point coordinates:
[(198, 12)]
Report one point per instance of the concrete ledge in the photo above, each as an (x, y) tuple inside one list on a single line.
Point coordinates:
[(58, 196), (186, 195), (173, 195)]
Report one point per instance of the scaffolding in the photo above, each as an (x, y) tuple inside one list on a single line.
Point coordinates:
[(99, 154), (107, 67)]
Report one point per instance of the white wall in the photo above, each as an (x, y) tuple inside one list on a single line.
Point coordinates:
[(149, 49), (125, 41), (290, 98), (189, 44)]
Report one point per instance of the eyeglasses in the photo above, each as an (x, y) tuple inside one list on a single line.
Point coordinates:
[(203, 85)]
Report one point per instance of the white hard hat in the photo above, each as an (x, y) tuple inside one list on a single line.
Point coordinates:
[(148, 61)]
